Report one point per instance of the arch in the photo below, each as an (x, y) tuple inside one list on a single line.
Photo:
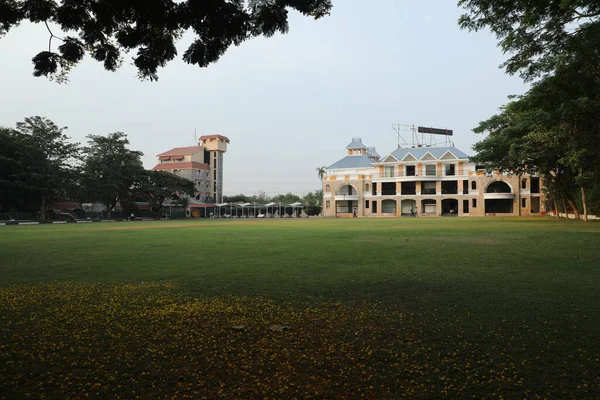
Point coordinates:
[(473, 185), (388, 206), (327, 189), (408, 207), (429, 206), (450, 207), (347, 190), (367, 187), (498, 187)]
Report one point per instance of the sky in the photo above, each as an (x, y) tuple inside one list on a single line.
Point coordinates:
[(290, 103)]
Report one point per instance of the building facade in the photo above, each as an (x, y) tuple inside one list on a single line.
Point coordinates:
[(424, 181), (201, 164)]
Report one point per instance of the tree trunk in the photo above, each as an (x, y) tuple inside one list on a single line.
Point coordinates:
[(556, 214), (584, 202), (574, 207), (43, 207), (564, 203), (583, 197)]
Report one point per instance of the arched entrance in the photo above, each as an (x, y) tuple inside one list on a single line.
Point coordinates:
[(499, 198), (498, 187), (389, 207), (346, 200), (408, 207), (450, 207), (428, 207)]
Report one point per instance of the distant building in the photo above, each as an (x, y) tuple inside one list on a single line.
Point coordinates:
[(424, 181), (202, 164)]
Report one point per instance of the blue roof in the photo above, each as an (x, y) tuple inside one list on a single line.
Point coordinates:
[(371, 152), (352, 162), (356, 144), (419, 152)]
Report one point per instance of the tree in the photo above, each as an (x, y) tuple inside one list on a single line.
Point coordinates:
[(157, 186), (557, 41), (110, 169), (10, 165), (49, 162), (552, 129), (107, 29), (238, 198), (287, 198), (321, 171), (539, 34)]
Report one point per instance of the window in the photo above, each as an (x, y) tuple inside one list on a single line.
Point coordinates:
[(388, 206), (428, 188), (473, 185), (535, 185), (374, 192), (374, 207), (465, 206), (388, 172), (410, 170), (388, 188), (524, 203), (474, 203), (367, 187), (327, 204), (366, 203), (524, 183), (327, 188), (450, 170), (465, 187), (430, 170)]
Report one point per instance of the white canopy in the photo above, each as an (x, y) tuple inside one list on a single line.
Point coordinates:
[(295, 204), (221, 204), (244, 205), (270, 204)]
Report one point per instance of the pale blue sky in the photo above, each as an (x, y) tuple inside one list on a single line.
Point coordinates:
[(290, 103)]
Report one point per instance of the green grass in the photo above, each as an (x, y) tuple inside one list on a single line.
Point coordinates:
[(478, 295)]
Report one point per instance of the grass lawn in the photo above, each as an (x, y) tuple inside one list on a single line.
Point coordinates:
[(445, 307)]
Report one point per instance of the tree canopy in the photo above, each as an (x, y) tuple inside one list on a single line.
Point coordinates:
[(108, 29), (110, 168), (552, 130), (47, 161), (157, 186), (539, 35)]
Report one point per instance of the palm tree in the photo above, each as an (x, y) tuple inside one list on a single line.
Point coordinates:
[(321, 172)]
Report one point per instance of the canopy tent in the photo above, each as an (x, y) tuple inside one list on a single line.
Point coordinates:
[(220, 208), (244, 206), (294, 206), (270, 207)]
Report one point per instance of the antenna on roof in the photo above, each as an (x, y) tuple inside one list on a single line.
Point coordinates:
[(421, 136), (195, 141)]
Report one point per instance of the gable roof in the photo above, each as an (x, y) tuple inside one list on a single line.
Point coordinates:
[(390, 158), (179, 151), (352, 162), (428, 157), (437, 152)]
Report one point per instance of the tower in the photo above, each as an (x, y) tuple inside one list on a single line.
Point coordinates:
[(214, 148)]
